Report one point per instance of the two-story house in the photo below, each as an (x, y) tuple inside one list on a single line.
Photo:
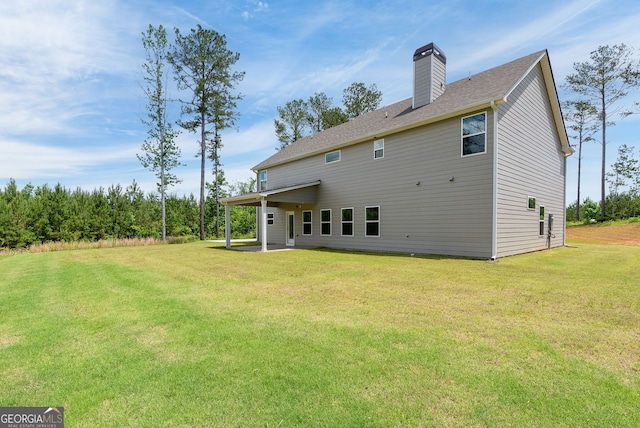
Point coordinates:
[(472, 168)]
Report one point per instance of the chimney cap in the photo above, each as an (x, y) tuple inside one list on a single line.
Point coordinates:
[(430, 49)]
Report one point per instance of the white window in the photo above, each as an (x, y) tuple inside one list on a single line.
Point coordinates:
[(332, 157), (372, 221), (306, 222), (325, 222), (474, 134), (378, 149), (347, 221), (263, 180), (541, 220), (531, 204), (270, 217)]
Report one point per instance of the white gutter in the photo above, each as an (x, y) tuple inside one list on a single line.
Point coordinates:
[(494, 226), (564, 202)]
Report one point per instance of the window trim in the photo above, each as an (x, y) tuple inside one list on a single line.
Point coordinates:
[(529, 200), (343, 222), (326, 162), (463, 136), (380, 149), (271, 219), (323, 222), (263, 187), (366, 221), (310, 223), (541, 230)]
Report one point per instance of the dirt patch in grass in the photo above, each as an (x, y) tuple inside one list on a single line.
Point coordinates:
[(8, 341), (616, 234)]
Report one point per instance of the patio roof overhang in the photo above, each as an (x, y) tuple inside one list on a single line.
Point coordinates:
[(305, 193)]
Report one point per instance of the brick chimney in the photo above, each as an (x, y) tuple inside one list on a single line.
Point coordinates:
[(429, 74)]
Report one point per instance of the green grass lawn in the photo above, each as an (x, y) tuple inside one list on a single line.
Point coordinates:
[(191, 335)]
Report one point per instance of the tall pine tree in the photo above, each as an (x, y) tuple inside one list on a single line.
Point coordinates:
[(160, 151), (203, 69)]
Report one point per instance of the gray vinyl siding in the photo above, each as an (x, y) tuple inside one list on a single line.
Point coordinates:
[(422, 82), (428, 80), (300, 196), (436, 216), (276, 233), (439, 76), (530, 164)]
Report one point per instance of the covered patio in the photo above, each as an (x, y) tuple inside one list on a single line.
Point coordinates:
[(306, 193)]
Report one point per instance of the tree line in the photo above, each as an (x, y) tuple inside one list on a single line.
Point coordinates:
[(40, 214), (623, 199)]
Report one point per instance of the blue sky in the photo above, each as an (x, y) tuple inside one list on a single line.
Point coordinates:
[(70, 80)]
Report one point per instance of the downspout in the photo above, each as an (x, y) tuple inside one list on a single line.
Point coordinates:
[(564, 203), (494, 226)]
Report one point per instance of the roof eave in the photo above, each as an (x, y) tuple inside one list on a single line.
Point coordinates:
[(386, 132)]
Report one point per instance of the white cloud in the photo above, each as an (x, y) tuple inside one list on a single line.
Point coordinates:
[(256, 6), (22, 160), (577, 48), (53, 54), (521, 36), (276, 82), (257, 137), (341, 76), (49, 41)]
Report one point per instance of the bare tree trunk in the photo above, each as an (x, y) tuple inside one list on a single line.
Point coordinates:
[(604, 155), (203, 156), (579, 168), (162, 203), (217, 192)]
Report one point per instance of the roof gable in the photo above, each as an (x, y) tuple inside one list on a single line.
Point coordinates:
[(465, 95)]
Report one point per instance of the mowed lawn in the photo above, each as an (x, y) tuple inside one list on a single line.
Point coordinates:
[(195, 335)]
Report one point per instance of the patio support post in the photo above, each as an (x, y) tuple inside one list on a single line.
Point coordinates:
[(227, 225), (263, 223)]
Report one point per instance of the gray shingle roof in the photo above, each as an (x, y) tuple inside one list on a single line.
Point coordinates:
[(466, 94)]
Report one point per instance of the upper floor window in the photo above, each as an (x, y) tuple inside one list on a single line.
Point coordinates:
[(263, 180), (332, 157), (474, 134), (378, 149)]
